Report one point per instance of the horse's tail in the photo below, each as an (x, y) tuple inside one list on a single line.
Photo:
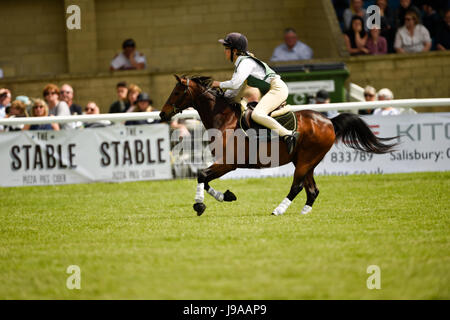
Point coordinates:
[(355, 133)]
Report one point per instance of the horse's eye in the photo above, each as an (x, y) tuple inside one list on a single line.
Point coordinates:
[(176, 93)]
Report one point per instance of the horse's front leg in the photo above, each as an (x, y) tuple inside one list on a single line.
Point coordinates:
[(204, 177)]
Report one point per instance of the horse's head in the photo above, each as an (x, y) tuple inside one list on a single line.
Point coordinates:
[(182, 97)]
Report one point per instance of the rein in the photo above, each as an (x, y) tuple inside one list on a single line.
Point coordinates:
[(187, 90)]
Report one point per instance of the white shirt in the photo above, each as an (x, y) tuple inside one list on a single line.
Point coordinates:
[(415, 43), (386, 112), (122, 62), (300, 51), (248, 67)]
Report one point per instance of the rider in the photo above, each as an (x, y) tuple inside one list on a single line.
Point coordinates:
[(257, 74)]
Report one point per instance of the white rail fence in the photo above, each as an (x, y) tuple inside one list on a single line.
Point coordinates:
[(119, 117)]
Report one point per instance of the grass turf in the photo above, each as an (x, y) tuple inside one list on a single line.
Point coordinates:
[(144, 241)]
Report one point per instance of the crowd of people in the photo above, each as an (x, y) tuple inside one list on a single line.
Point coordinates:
[(410, 28), (59, 101)]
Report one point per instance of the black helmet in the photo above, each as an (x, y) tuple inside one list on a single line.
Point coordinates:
[(235, 40)]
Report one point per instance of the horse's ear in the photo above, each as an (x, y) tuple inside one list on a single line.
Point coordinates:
[(178, 78)]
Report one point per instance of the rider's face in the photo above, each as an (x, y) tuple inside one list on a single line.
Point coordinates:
[(227, 53)]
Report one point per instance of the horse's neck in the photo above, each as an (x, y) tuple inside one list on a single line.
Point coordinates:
[(217, 113)]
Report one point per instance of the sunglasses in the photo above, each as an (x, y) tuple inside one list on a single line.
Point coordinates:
[(368, 95), (63, 92), (47, 93), (38, 107), (89, 109)]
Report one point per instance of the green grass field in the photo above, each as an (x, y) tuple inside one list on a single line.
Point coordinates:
[(144, 241)]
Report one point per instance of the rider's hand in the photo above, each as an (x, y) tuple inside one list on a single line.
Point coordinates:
[(215, 84)]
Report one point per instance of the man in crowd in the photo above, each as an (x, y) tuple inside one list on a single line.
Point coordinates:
[(66, 93), (129, 58), (292, 49), (122, 104)]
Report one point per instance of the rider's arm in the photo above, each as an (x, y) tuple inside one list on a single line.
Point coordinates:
[(239, 76)]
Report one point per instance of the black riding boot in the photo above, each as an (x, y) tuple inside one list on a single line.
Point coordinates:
[(291, 141)]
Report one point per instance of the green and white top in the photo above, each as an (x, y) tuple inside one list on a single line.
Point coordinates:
[(257, 74)]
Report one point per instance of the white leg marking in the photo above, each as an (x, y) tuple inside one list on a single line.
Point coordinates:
[(306, 209), (200, 194), (282, 207), (216, 194)]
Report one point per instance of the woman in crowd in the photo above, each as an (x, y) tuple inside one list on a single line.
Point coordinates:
[(356, 37), (412, 37), (143, 104), (376, 44), (132, 95), (40, 109), (17, 109)]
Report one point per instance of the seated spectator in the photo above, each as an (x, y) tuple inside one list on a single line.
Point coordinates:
[(143, 104), (322, 97), (132, 95), (376, 44), (122, 104), (356, 9), (16, 110), (385, 94), (67, 96), (412, 37), (405, 6), (129, 58), (92, 109), (387, 21), (292, 49), (370, 94), (431, 18), (443, 33), (40, 109), (356, 37), (5, 101), (55, 106)]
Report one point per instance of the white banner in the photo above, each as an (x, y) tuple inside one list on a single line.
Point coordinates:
[(424, 146), (110, 154)]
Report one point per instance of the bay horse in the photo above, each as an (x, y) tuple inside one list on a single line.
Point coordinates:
[(317, 136)]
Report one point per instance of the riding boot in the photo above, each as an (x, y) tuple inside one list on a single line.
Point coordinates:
[(291, 141)]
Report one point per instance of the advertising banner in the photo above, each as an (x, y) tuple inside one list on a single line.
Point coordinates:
[(110, 154), (424, 145)]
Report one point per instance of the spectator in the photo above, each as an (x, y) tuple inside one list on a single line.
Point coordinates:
[(356, 9), (143, 104), (55, 106), (129, 58), (431, 18), (356, 38), (122, 104), (17, 109), (132, 95), (40, 109), (322, 97), (93, 109), (385, 94), (5, 101), (412, 37), (67, 96), (387, 20), (443, 33), (376, 44), (292, 49), (370, 94), (405, 6)]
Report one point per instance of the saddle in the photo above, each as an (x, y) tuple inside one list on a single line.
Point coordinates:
[(282, 114)]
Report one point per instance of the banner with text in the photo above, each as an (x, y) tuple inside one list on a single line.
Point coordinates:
[(110, 154), (424, 146)]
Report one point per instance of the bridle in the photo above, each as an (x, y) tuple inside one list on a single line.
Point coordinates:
[(186, 90)]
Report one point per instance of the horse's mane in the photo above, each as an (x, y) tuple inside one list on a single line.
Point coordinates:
[(206, 82)]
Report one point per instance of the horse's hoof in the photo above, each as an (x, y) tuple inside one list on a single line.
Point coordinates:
[(229, 196), (200, 208), (306, 209)]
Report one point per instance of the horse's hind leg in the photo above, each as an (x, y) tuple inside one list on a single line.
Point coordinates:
[(296, 187), (311, 192)]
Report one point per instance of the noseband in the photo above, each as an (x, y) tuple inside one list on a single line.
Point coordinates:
[(187, 90)]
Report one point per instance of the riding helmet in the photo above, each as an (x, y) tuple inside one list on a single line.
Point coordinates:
[(235, 40)]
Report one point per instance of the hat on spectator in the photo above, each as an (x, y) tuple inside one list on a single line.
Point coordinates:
[(24, 99), (143, 97), (322, 96)]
